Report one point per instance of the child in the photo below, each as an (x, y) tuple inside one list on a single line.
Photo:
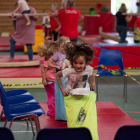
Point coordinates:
[(59, 58), (79, 100), (54, 26), (23, 6), (48, 74)]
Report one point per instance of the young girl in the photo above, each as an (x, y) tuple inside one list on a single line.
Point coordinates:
[(58, 58), (79, 100), (48, 74), (24, 8)]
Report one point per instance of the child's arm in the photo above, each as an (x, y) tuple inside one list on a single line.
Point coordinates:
[(58, 77), (43, 75), (92, 86), (19, 4), (50, 64)]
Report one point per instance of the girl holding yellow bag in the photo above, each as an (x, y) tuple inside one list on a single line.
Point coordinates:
[(78, 99)]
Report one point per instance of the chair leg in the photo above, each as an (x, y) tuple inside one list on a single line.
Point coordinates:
[(37, 123), (2, 112), (5, 123), (27, 122), (11, 124), (32, 126), (97, 87)]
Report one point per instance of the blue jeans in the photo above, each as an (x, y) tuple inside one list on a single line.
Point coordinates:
[(122, 30), (12, 49)]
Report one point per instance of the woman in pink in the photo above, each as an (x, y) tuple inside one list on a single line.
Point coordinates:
[(24, 35)]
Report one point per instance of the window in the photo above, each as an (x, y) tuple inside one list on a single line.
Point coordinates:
[(130, 4)]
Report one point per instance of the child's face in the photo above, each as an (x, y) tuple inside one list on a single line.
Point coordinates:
[(62, 50), (79, 64)]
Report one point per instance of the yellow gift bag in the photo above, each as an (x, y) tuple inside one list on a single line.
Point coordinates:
[(81, 112)]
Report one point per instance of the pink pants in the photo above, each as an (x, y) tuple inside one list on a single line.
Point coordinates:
[(51, 99)]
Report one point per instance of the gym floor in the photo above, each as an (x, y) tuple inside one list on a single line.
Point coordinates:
[(109, 89)]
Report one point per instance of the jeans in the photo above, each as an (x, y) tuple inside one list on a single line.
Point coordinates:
[(12, 49), (122, 30)]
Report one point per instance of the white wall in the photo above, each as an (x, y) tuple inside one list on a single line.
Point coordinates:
[(134, 7)]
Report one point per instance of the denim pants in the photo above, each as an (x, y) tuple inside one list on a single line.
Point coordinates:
[(122, 30), (12, 49)]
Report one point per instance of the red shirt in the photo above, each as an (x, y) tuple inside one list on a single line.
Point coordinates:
[(53, 23), (61, 22), (70, 18)]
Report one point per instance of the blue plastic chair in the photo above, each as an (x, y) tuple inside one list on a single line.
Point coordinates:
[(20, 111), (6, 134), (17, 97), (80, 133), (130, 132), (111, 58)]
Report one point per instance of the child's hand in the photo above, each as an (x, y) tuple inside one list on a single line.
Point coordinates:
[(64, 92), (44, 82), (92, 86), (59, 67)]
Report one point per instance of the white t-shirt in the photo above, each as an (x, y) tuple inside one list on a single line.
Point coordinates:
[(76, 83), (24, 5)]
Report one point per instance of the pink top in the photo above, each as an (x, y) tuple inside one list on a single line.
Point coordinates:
[(24, 34), (49, 72)]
